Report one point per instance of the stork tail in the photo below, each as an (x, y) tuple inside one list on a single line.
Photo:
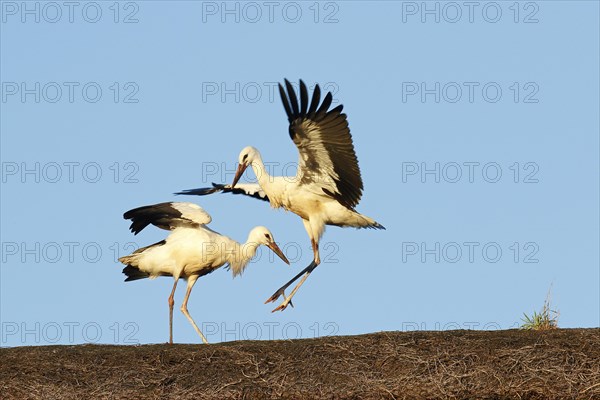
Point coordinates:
[(131, 270), (364, 222), (133, 273)]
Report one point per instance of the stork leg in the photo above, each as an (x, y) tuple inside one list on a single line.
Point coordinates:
[(191, 281), (306, 272), (171, 303), (281, 290)]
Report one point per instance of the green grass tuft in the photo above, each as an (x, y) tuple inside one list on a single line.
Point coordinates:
[(544, 320)]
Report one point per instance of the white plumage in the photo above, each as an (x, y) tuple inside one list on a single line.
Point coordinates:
[(327, 186), (190, 251)]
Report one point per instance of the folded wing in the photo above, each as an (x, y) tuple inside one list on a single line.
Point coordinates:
[(167, 216)]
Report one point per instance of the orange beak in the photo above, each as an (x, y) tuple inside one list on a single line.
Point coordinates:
[(238, 174), (273, 246)]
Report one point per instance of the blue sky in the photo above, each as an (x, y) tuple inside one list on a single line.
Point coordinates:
[(476, 129)]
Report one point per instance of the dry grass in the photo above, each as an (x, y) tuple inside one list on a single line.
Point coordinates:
[(513, 364)]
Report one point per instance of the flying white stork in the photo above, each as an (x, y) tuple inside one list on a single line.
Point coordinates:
[(191, 250), (327, 186)]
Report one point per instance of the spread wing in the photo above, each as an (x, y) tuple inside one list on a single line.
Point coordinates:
[(248, 189), (167, 216), (327, 156)]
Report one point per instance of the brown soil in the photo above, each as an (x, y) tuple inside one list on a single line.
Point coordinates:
[(513, 364)]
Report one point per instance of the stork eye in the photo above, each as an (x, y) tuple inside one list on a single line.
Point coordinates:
[(245, 156), (267, 236)]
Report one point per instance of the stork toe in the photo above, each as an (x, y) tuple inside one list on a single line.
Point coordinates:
[(276, 295), (284, 304)]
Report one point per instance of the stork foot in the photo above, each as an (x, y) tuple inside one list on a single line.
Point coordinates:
[(288, 299), (276, 295), (284, 304)]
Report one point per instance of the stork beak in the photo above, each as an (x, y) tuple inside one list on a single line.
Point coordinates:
[(273, 246), (238, 173)]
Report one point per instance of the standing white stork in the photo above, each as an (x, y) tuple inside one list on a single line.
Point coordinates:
[(327, 186), (191, 250)]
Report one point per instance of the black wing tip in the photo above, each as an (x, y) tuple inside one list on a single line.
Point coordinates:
[(337, 109), (138, 224), (303, 98), (133, 212), (291, 93), (309, 106), (138, 211), (295, 110), (314, 103), (281, 90), (132, 215), (288, 96), (201, 191), (377, 225), (286, 102), (219, 187)]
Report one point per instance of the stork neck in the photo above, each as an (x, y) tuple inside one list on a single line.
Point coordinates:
[(263, 177), (242, 255)]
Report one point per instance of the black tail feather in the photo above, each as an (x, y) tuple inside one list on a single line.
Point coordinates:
[(134, 274), (376, 225)]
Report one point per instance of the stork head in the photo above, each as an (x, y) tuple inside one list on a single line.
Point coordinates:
[(262, 235), (246, 157)]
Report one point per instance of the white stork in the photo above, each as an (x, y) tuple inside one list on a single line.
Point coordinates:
[(327, 186), (190, 251)]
